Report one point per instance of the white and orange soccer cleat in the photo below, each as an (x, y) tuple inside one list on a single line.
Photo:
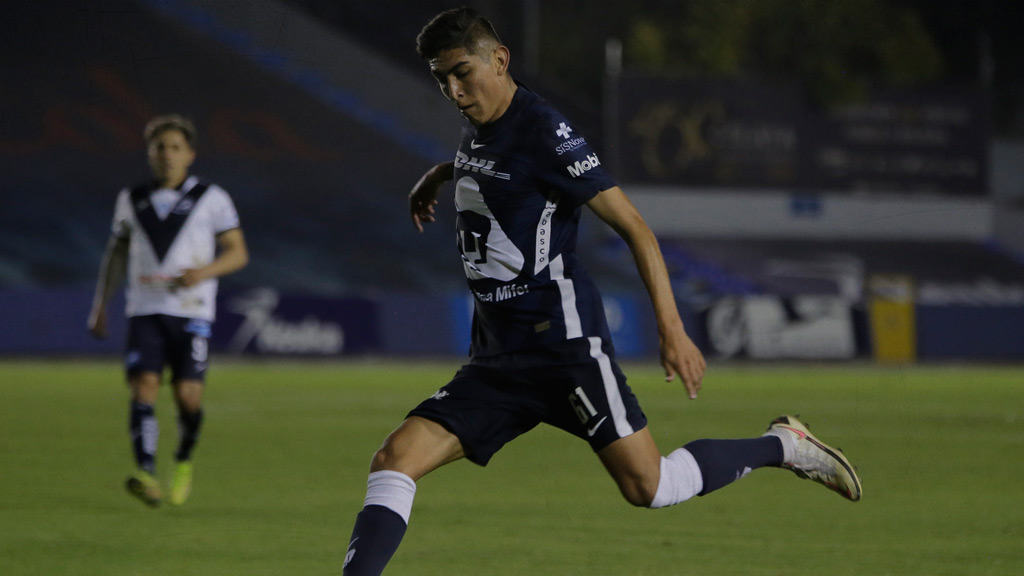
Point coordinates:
[(812, 459)]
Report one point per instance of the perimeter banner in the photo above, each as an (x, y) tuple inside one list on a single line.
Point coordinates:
[(263, 321)]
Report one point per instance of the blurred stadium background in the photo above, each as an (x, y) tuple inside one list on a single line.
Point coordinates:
[(839, 192), (829, 180)]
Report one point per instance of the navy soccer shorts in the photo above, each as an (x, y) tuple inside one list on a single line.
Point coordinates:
[(159, 340), (575, 386)]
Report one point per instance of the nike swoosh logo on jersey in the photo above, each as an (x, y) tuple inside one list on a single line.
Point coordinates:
[(474, 145), (592, 431)]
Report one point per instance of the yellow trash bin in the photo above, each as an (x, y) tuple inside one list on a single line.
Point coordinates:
[(891, 313)]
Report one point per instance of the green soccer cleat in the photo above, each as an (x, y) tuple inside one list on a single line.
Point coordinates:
[(812, 459), (181, 486), (145, 487)]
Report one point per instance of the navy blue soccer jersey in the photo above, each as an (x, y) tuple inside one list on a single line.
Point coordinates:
[(520, 184)]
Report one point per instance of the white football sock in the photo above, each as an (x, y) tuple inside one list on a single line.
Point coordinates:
[(788, 440), (680, 479), (392, 490)]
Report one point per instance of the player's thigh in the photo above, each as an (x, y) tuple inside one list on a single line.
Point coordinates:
[(144, 387), (145, 349), (590, 398), (188, 348), (485, 408), (634, 462), (417, 447)]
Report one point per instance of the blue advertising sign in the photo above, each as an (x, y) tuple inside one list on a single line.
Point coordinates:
[(960, 331), (54, 322), (264, 322)]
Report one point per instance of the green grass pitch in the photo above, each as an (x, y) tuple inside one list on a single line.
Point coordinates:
[(281, 472)]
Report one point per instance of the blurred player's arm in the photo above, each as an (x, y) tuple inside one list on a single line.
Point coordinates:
[(232, 256), (679, 355), (112, 273), (423, 197)]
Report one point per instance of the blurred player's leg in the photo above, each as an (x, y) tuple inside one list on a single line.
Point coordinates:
[(189, 373), (145, 433), (189, 424), (144, 365), (188, 433), (142, 422)]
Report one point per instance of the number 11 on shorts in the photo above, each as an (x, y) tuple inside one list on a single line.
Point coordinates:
[(581, 404)]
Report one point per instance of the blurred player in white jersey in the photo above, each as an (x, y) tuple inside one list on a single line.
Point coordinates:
[(174, 236)]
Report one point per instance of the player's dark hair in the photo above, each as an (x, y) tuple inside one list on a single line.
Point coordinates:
[(452, 29), (161, 124)]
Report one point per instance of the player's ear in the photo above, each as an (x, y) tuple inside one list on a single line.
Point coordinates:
[(499, 59)]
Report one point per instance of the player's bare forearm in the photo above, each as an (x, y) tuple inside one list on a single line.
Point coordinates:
[(679, 355), (423, 196), (112, 273)]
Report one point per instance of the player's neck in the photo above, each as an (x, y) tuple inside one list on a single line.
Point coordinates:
[(171, 182), (505, 104)]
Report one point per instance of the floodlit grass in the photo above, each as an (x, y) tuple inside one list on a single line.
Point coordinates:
[(281, 472)]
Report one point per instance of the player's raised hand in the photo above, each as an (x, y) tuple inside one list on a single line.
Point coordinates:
[(423, 197), (679, 355)]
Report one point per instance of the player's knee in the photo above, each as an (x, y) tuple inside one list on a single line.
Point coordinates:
[(145, 387), (189, 395), (190, 404), (383, 458), (639, 491), (416, 448), (638, 484), (390, 455)]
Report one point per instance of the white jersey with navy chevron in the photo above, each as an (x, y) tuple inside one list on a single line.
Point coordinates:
[(170, 230), (520, 183)]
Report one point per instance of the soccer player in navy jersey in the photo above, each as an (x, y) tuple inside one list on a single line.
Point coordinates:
[(541, 351), (173, 236)]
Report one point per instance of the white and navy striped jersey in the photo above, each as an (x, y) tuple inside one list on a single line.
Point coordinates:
[(169, 231), (520, 183)]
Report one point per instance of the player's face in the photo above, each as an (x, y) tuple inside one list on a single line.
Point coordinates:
[(170, 157), (475, 83)]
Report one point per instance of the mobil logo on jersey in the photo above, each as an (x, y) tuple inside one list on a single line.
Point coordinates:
[(585, 165)]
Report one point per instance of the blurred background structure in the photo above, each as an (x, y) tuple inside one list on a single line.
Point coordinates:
[(829, 180)]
